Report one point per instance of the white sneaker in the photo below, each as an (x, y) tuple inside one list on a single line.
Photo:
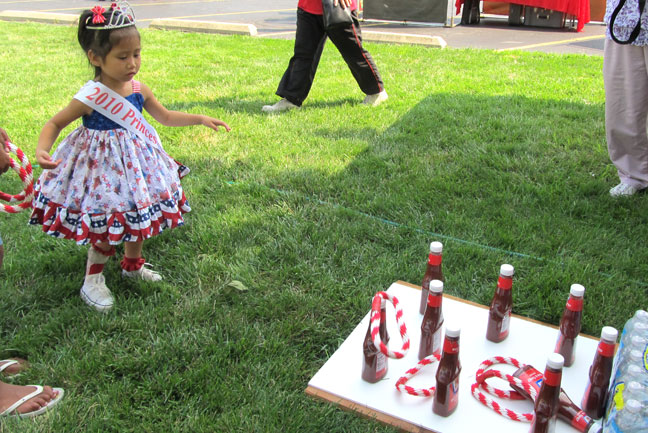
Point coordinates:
[(375, 99), (143, 273), (623, 190), (95, 293), (280, 106)]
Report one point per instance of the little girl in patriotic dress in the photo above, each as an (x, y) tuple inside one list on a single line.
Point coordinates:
[(110, 181)]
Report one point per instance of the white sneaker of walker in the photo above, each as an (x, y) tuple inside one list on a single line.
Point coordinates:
[(143, 273), (282, 105), (95, 293), (375, 99), (623, 190)]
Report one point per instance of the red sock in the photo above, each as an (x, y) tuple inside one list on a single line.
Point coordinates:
[(96, 266), (132, 264)]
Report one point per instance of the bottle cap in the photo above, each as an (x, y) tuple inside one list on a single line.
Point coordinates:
[(634, 370), (641, 315), (609, 333), (636, 356), (634, 387), (436, 247), (436, 286), (506, 270), (640, 328), (577, 290), (555, 361), (452, 331), (633, 406), (638, 341)]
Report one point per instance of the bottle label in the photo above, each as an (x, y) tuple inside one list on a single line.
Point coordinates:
[(504, 330), (435, 259), (533, 377), (552, 378), (450, 346), (605, 349), (381, 365), (453, 394), (504, 283), (575, 304), (436, 342), (434, 300)]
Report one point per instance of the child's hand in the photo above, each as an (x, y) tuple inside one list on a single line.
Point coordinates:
[(45, 160), (212, 123), (4, 137)]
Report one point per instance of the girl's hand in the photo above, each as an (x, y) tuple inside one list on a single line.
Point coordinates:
[(212, 123), (45, 160), (4, 137)]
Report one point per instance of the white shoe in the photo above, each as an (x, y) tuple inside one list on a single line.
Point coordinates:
[(280, 106), (143, 274), (95, 293), (623, 190), (375, 99)]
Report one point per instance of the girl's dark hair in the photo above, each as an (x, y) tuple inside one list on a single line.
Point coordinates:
[(101, 41)]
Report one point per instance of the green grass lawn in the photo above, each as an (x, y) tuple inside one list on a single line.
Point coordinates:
[(501, 156)]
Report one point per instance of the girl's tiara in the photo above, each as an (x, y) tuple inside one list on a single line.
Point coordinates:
[(121, 15)]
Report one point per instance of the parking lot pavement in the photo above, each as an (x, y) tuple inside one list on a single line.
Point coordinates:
[(277, 19)]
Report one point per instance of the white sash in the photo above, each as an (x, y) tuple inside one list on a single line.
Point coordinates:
[(118, 109)]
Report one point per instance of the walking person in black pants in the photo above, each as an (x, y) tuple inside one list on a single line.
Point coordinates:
[(309, 43)]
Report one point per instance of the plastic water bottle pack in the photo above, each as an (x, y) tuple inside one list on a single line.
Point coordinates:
[(627, 407)]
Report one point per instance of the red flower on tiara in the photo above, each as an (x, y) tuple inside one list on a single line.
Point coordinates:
[(97, 15), (113, 6)]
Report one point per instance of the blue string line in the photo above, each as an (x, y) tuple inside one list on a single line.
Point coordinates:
[(427, 232)]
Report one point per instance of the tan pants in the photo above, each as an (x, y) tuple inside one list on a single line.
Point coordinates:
[(625, 74)]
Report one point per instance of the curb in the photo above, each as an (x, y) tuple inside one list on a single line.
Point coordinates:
[(39, 17), (204, 26), (404, 38), (219, 27)]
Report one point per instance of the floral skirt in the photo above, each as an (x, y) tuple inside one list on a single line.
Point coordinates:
[(111, 186)]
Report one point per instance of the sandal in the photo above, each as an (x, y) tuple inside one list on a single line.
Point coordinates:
[(11, 410), (6, 363)]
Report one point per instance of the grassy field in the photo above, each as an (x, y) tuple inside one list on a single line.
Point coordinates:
[(501, 156)]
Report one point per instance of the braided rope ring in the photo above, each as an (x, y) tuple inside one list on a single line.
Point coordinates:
[(23, 200), (482, 374), (375, 324), (400, 383)]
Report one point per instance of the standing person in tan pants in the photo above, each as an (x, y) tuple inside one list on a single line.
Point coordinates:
[(625, 74)]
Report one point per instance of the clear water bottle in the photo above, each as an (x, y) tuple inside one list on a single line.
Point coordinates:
[(631, 419)]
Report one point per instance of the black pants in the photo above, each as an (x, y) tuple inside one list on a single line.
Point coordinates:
[(309, 43)]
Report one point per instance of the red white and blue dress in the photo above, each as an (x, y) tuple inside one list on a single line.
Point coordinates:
[(111, 185)]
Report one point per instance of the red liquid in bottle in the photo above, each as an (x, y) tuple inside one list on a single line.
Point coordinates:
[(446, 397), (570, 324), (501, 306), (431, 326), (595, 396), (567, 410), (546, 405), (374, 362), (432, 272)]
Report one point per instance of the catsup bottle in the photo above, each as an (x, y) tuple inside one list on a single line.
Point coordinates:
[(432, 272), (499, 315), (432, 324), (567, 411), (446, 396), (595, 396), (374, 362), (546, 405), (570, 324)]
